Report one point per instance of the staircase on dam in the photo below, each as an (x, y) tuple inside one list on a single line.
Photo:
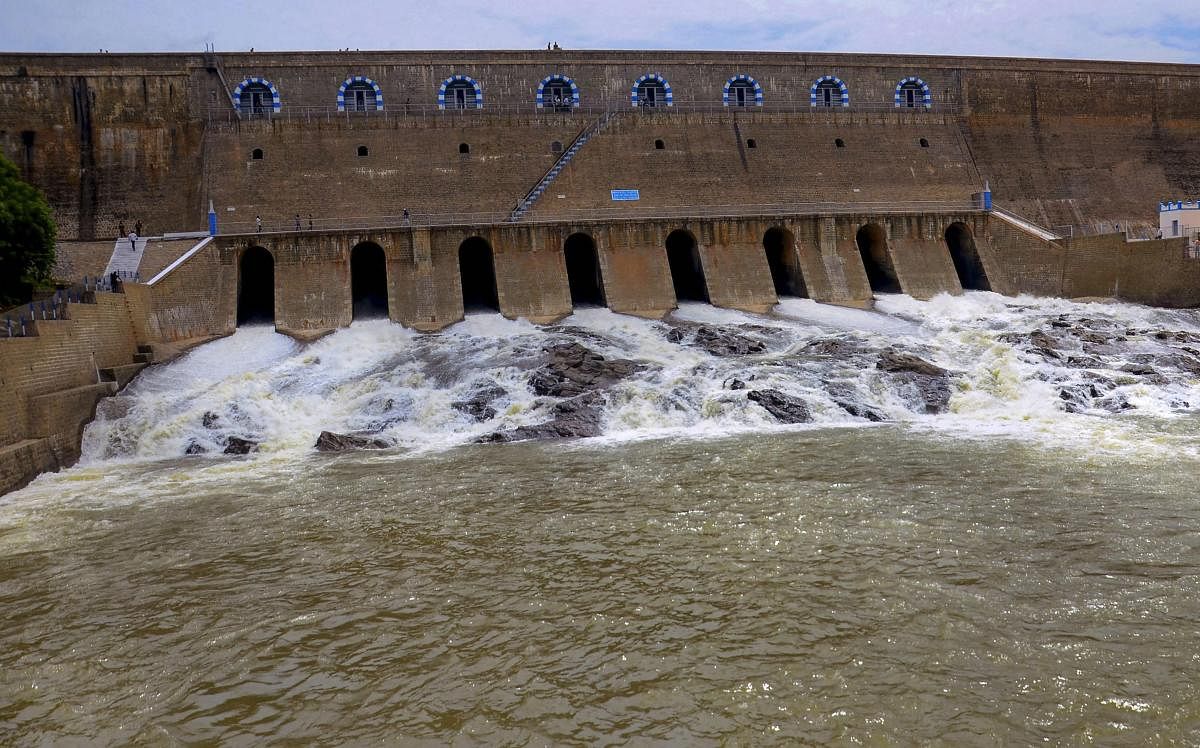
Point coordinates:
[(126, 259), (594, 128)]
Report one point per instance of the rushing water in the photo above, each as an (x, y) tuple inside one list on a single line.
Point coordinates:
[(1019, 568)]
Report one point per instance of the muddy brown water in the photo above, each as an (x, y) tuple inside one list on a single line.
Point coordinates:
[(857, 585)]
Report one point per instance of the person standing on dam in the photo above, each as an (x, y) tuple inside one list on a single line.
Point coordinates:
[(258, 224), (133, 241)]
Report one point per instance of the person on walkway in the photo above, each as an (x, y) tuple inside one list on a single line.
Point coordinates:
[(258, 224), (297, 221), (310, 222), (132, 241), (137, 228), (406, 218), (121, 229)]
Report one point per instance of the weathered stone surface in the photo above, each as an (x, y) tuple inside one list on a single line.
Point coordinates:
[(892, 360), (785, 408), (720, 342), (578, 417), (478, 406), (238, 446), (929, 383), (329, 441), (858, 410), (572, 369)]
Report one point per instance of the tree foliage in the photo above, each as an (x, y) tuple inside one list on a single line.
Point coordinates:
[(27, 236)]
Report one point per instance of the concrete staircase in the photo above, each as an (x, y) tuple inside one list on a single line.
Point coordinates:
[(125, 259), (594, 128)]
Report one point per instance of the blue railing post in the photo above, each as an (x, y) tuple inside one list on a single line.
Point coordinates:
[(212, 219)]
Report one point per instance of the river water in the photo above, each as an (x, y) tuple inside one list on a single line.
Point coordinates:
[(1020, 567)]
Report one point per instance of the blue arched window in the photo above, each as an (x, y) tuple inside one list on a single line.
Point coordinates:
[(829, 91), (460, 92), (742, 90), (359, 94), (557, 92), (650, 91), (256, 97), (912, 92)]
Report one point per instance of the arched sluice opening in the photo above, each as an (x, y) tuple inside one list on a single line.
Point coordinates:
[(477, 272), (256, 287), (583, 271), (780, 246), (961, 243), (651, 93), (256, 100), (687, 272), (461, 94), (368, 281), (360, 97), (741, 93), (872, 245)]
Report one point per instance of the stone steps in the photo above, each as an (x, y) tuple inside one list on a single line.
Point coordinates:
[(126, 259)]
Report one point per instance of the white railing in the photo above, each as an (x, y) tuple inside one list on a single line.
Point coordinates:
[(417, 219), (432, 111)]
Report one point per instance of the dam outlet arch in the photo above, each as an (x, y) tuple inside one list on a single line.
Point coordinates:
[(583, 271), (687, 271), (477, 273), (876, 259), (368, 281), (256, 287), (961, 243), (780, 245)]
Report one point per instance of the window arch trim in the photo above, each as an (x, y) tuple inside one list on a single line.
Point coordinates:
[(926, 97), (276, 102), (341, 94), (557, 77), (454, 79), (758, 92), (816, 86), (633, 92)]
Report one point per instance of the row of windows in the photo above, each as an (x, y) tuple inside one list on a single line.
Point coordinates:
[(556, 147), (560, 93)]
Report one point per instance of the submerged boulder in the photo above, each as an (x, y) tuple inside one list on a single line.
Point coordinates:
[(576, 418), (785, 408), (329, 441), (237, 446), (928, 383), (717, 341), (572, 369), (478, 405)]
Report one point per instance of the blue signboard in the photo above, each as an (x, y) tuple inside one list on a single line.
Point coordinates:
[(626, 195)]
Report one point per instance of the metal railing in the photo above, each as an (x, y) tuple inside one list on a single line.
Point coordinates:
[(432, 111), (482, 218), (19, 321)]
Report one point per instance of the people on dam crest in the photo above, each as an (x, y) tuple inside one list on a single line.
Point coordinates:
[(406, 218), (258, 224), (310, 228), (297, 221)]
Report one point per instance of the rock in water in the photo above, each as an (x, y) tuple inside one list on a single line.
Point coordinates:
[(328, 441), (236, 446), (928, 382), (785, 408), (724, 343), (573, 369), (478, 406), (576, 418)]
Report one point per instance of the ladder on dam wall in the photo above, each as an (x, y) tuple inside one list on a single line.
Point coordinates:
[(527, 203), (1025, 225), (212, 63)]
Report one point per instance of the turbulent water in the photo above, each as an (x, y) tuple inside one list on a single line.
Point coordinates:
[(968, 520)]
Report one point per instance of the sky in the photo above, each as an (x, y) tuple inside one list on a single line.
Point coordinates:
[(1100, 29)]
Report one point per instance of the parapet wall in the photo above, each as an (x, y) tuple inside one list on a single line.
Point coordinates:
[(115, 138)]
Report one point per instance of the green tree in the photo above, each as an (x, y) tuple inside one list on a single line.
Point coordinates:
[(27, 235)]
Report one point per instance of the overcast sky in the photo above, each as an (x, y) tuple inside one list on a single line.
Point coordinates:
[(1100, 29)]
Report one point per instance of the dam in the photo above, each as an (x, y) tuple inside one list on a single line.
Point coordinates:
[(577, 396)]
